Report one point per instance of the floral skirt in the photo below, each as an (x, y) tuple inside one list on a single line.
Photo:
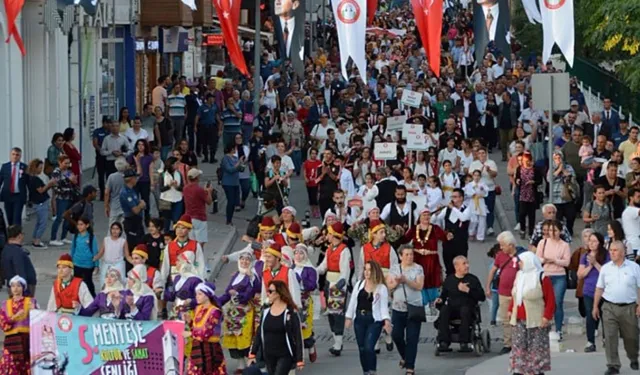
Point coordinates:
[(306, 316), (238, 326), (530, 349), (15, 357), (207, 358)]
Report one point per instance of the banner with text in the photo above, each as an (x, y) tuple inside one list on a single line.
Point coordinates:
[(69, 344)]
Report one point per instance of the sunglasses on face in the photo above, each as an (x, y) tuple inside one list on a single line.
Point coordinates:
[(270, 291)]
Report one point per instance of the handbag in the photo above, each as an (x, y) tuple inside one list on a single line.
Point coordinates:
[(414, 313), (498, 190), (164, 205), (496, 277), (247, 118)]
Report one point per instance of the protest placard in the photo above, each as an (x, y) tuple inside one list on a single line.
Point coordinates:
[(385, 150), (417, 142), (396, 123), (410, 130), (411, 98)]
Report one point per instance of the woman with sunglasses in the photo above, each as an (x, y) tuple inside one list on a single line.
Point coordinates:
[(279, 335)]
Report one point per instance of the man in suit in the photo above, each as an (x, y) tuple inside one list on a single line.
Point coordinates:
[(491, 25), (317, 110), (507, 122), (13, 186), (610, 117), (520, 98), (289, 29), (596, 128)]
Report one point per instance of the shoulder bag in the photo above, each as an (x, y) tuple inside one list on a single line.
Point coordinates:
[(414, 313), (496, 277)]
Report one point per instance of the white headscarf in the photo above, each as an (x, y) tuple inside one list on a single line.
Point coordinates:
[(186, 269), (287, 256), (140, 288), (528, 277), (247, 254), (117, 285), (303, 249)]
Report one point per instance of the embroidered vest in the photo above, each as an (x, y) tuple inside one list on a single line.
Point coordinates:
[(380, 255), (282, 275), (175, 250), (151, 272), (22, 324), (66, 296), (201, 318), (333, 258)]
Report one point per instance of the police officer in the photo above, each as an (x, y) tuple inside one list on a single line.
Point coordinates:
[(101, 161), (133, 208), (208, 128)]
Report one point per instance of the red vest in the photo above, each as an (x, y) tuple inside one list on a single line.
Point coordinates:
[(175, 250), (333, 258), (380, 256), (151, 272), (66, 296), (282, 275)]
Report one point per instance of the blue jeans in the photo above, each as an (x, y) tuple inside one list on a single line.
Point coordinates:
[(296, 156), (559, 288), (233, 195), (516, 201), (164, 152), (61, 206), (407, 347), (592, 324), (177, 208), (245, 189), (42, 214), (367, 333), (490, 201), (495, 304)]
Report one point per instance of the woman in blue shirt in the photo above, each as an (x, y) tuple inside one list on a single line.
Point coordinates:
[(231, 167), (84, 251)]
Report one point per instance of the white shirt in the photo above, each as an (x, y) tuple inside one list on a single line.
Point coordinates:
[(631, 225), (486, 179), (345, 266), (496, 68), (134, 137), (343, 140), (346, 183), (379, 307), (620, 284), (596, 131), (319, 132), (386, 211)]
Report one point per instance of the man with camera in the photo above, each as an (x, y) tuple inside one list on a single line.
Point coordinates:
[(196, 200)]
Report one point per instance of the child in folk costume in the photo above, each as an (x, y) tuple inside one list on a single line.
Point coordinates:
[(337, 267), (14, 318), (267, 232), (140, 301), (103, 305), (69, 294), (207, 357), (449, 180), (185, 282), (240, 310), (140, 255), (308, 283), (180, 245), (476, 191), (377, 249)]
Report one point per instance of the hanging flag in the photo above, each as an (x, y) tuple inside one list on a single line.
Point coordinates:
[(372, 7), (557, 27), (428, 15), (191, 4), (289, 28), (229, 14), (351, 24), (533, 13), (13, 8)]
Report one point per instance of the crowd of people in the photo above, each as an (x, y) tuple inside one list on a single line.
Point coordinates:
[(380, 268)]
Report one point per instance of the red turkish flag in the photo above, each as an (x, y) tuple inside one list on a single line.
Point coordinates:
[(229, 15), (372, 6), (429, 22), (13, 8)]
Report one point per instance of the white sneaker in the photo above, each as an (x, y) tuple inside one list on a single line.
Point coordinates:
[(517, 227), (56, 243), (66, 241), (490, 232)]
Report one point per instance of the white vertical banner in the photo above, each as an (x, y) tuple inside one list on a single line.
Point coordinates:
[(558, 28), (191, 4), (351, 23)]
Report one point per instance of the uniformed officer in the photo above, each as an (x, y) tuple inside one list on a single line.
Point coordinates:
[(208, 128), (133, 208), (101, 161)]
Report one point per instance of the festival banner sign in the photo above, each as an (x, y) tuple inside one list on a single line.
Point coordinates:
[(385, 150), (417, 142), (411, 130), (70, 344), (396, 123), (411, 98)]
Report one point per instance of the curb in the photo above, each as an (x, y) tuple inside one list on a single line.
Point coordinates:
[(215, 263)]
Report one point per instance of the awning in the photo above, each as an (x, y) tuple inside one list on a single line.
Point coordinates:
[(247, 31)]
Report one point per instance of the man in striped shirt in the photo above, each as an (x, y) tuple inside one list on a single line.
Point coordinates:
[(231, 119), (177, 111)]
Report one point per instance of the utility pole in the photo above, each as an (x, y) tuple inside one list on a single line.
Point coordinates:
[(257, 47)]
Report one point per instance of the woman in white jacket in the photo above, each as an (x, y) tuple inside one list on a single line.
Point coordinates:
[(369, 312), (368, 192)]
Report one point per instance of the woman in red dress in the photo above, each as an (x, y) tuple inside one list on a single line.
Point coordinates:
[(425, 237), (72, 152)]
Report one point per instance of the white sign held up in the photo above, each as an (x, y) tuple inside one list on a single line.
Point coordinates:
[(411, 130), (417, 142), (396, 123), (411, 98), (385, 150)]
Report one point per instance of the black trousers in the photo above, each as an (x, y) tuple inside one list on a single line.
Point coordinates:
[(101, 164), (209, 141), (279, 365), (451, 250), (86, 274), (109, 168), (448, 313), (190, 134), (134, 230), (143, 188), (567, 211), (527, 211)]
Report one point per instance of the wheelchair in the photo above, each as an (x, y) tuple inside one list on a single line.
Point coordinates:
[(480, 338)]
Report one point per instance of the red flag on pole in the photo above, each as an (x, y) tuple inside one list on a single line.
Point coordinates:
[(13, 8), (428, 15), (229, 15), (372, 6)]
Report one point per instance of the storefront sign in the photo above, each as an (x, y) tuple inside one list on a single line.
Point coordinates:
[(213, 40), (175, 40), (385, 150), (72, 344), (396, 123), (411, 98)]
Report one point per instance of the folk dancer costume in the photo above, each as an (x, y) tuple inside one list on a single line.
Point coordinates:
[(145, 303), (337, 266), (154, 278), (308, 277), (397, 216), (456, 222), (102, 306), (239, 309), (282, 273), (425, 237), (207, 357), (180, 246), (475, 193), (68, 289), (14, 318), (382, 253), (449, 182)]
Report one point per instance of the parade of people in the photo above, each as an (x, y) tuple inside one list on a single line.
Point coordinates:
[(368, 154)]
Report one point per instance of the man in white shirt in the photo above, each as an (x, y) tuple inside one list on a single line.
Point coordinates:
[(489, 171), (136, 133), (631, 222), (319, 132), (346, 178), (343, 135)]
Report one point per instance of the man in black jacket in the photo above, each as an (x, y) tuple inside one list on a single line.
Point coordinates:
[(386, 188), (16, 261), (461, 292)]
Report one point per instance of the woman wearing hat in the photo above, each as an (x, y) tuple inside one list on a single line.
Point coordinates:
[(105, 302), (337, 267), (239, 310), (14, 318), (287, 218), (275, 270), (140, 301), (69, 294), (377, 249), (308, 284), (267, 232), (207, 357)]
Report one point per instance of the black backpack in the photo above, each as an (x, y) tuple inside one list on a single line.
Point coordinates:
[(76, 216)]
